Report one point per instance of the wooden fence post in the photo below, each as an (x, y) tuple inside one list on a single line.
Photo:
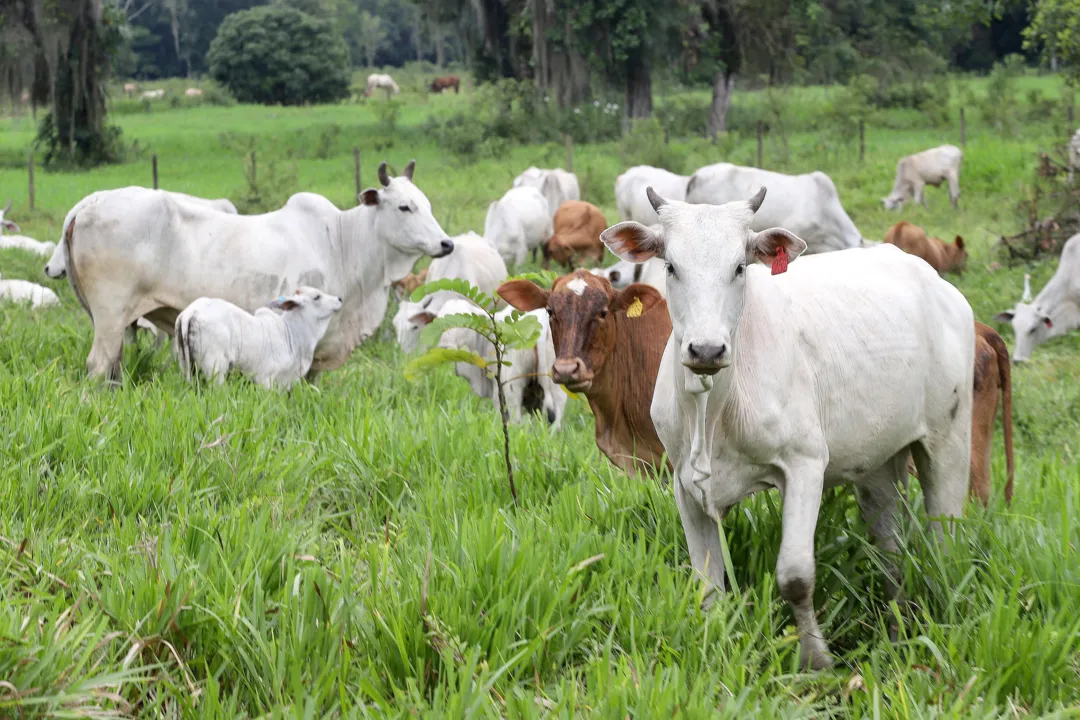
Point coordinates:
[(30, 173), (1071, 113), (760, 144), (153, 165), (963, 129), (862, 140), (569, 153), (356, 171), (254, 173)]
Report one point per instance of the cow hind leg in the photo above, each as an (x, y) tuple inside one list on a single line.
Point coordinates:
[(879, 502), (107, 350), (944, 466), (954, 189)]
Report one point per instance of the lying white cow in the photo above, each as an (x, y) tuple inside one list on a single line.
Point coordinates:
[(808, 205), (472, 260), (20, 242), (527, 382), (272, 350), (930, 167), (23, 291), (517, 223), (557, 186), (1074, 156), (153, 94), (1055, 311), (623, 274), (831, 372), (630, 187), (143, 253)]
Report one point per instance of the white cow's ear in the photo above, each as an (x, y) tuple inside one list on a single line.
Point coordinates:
[(633, 242), (764, 245), (1006, 316), (422, 318), (369, 197)]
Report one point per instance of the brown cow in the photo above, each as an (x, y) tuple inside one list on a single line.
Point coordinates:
[(992, 375), (578, 226), (404, 287), (608, 345), (445, 83), (940, 255)]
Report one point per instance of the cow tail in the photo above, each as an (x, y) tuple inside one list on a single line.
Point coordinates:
[(690, 185), (182, 330), (68, 239), (1005, 377)]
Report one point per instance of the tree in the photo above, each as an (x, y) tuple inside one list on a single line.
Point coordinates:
[(277, 55), (371, 36), (1055, 27)]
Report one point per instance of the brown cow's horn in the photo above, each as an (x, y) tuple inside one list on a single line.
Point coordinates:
[(409, 170), (656, 201), (383, 177), (755, 202)]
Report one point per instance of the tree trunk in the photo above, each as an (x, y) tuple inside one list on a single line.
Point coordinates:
[(561, 71), (638, 87), (722, 87), (440, 45)]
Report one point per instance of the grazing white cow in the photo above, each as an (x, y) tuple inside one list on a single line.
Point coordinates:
[(153, 94), (23, 290), (557, 186), (130, 88), (20, 242), (828, 373), (623, 274), (930, 167), (377, 81), (630, 196), (473, 260), (193, 92), (527, 382), (1074, 156), (273, 350), (518, 222), (1056, 309), (146, 254), (807, 205)]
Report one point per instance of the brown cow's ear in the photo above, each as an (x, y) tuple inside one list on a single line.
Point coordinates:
[(422, 318), (523, 295), (369, 197), (636, 300), (959, 242)]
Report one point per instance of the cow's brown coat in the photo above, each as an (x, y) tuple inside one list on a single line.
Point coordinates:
[(943, 257), (578, 225)]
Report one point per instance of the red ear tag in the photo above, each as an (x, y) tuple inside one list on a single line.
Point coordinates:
[(1049, 325), (779, 261)]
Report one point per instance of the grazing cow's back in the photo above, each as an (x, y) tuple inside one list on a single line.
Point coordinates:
[(446, 82), (577, 225), (941, 256), (630, 191), (608, 345)]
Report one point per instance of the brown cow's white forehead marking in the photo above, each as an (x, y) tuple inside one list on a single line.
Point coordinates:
[(576, 286)]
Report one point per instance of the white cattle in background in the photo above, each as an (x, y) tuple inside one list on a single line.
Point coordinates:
[(630, 191), (527, 382), (929, 167), (557, 186), (143, 253), (830, 372), (8, 240), (1074, 156), (1055, 310), (381, 81), (518, 222), (193, 92), (24, 290), (272, 350), (623, 274), (807, 205), (153, 94), (473, 260)]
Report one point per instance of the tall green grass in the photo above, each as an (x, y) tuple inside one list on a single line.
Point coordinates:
[(350, 548)]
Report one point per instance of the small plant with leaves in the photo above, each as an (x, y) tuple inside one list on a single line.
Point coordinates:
[(503, 330)]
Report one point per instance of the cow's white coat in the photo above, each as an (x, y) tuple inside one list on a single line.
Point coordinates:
[(518, 222), (557, 186), (630, 191), (24, 290), (929, 167)]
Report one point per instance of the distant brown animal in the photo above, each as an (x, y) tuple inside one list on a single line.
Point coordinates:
[(608, 346), (404, 287), (993, 374), (445, 83), (578, 225), (941, 256)]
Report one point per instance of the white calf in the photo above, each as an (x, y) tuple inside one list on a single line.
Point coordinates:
[(930, 167), (22, 290)]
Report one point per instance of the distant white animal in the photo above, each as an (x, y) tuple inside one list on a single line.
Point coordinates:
[(930, 167), (517, 223), (377, 81), (272, 350), (557, 186), (23, 290), (630, 191), (829, 372), (1074, 156), (807, 205), (153, 94), (623, 274), (473, 260), (193, 92), (20, 242), (160, 254), (130, 88), (527, 382), (1056, 309)]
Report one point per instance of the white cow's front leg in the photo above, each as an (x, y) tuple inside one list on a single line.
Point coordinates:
[(702, 539), (795, 572)]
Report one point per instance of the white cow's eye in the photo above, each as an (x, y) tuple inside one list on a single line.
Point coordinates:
[(740, 270), (670, 269), (405, 208)]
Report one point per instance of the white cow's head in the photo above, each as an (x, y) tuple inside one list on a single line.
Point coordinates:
[(57, 266), (6, 224), (1031, 325), (894, 201), (311, 303), (410, 320), (403, 218), (706, 249)]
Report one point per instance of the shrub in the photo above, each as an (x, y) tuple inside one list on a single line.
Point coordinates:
[(645, 145), (277, 55)]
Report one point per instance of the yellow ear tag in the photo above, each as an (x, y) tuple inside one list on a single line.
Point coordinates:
[(635, 308)]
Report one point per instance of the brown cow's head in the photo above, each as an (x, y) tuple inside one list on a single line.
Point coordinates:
[(581, 307), (955, 256)]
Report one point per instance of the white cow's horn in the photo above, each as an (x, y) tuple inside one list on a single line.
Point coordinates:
[(656, 201), (755, 202), (383, 177), (7, 207), (409, 169)]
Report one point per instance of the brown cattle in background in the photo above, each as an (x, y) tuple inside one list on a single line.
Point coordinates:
[(608, 346), (941, 256), (578, 225), (404, 287), (445, 83)]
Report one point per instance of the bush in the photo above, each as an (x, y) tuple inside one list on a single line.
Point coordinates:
[(277, 55), (645, 145)]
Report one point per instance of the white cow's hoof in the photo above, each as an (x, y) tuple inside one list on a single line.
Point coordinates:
[(814, 654)]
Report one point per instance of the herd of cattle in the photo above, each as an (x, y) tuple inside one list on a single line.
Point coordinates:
[(701, 352)]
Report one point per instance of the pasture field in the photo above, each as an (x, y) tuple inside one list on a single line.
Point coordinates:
[(351, 549)]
